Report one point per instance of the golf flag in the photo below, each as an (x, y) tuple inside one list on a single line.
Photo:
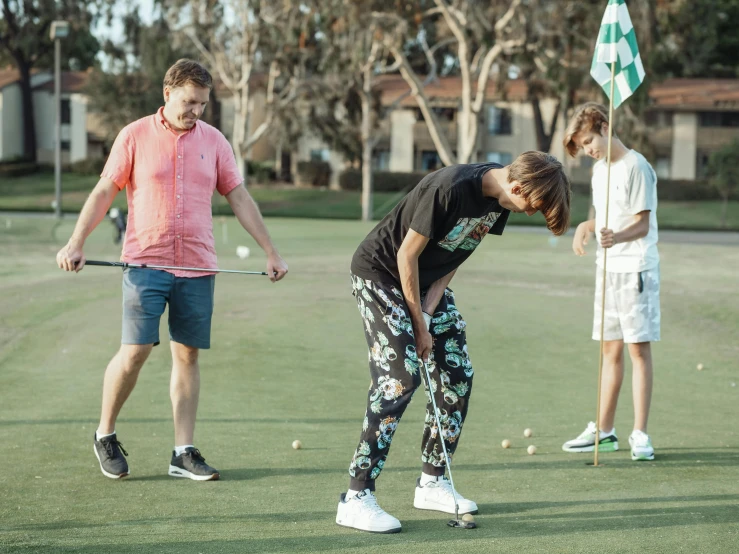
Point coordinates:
[(617, 43)]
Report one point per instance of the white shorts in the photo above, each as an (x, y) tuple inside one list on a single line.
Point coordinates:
[(632, 306)]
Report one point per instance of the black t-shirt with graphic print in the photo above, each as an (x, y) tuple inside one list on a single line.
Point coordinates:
[(448, 207)]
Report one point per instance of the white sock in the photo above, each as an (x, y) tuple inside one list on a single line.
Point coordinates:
[(604, 434), (180, 449), (98, 436), (426, 479)]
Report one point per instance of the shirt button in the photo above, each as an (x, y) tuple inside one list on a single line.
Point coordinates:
[(178, 215), (179, 157), (178, 196), (179, 176), (178, 236)]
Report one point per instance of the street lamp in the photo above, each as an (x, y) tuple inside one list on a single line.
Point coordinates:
[(59, 30)]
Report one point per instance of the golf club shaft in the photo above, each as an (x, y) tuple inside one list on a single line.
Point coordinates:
[(147, 266), (441, 438)]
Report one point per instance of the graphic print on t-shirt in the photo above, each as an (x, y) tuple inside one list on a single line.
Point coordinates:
[(468, 232)]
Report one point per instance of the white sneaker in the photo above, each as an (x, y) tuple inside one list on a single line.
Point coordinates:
[(437, 495), (362, 512), (641, 446), (585, 442)]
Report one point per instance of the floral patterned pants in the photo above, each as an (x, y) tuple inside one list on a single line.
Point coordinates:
[(396, 372)]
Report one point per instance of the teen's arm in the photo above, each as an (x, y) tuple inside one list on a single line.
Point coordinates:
[(582, 235), (247, 212), (71, 257), (635, 231), (435, 292), (408, 253)]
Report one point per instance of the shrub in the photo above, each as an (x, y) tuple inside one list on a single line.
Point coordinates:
[(18, 169), (88, 166), (313, 173), (262, 172), (383, 181)]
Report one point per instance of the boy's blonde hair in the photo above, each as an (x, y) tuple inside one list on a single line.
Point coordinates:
[(545, 186), (588, 117)]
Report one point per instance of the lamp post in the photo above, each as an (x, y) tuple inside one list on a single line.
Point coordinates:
[(59, 30)]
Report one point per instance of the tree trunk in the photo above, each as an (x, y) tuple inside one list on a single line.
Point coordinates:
[(367, 145), (544, 137), (29, 125)]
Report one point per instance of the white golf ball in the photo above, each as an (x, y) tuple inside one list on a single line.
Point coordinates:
[(242, 252), (531, 450), (527, 432), (700, 367), (297, 445)]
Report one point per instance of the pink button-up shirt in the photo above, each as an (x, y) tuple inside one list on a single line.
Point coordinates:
[(170, 181)]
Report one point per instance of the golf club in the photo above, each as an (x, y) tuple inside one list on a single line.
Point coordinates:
[(458, 523), (147, 266)]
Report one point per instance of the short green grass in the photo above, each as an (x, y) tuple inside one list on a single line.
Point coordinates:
[(289, 362), (36, 193)]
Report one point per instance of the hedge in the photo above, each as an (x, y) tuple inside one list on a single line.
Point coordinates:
[(18, 169), (313, 173), (383, 181)]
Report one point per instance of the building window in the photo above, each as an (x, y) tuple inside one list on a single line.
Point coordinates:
[(381, 160), (65, 144), (502, 158), (718, 119), (701, 164), (66, 111), (499, 121), (430, 160), (658, 119), (662, 168), (320, 155)]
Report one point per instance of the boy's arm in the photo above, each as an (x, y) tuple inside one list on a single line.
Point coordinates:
[(582, 235), (637, 230), (408, 253), (71, 257), (435, 292)]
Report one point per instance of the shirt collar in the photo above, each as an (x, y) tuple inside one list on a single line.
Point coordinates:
[(163, 122)]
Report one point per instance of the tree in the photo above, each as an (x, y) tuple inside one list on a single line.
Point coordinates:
[(697, 38), (250, 43), (132, 87), (723, 174), (24, 39), (479, 34)]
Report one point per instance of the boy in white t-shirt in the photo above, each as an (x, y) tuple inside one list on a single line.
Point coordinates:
[(632, 312)]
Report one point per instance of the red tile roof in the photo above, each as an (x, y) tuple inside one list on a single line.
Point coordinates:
[(695, 93), (443, 90)]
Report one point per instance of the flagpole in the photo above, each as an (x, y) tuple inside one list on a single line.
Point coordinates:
[(605, 255)]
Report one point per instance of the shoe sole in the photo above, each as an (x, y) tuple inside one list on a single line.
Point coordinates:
[(441, 508), (110, 475), (384, 532), (605, 447), (175, 471), (638, 458)]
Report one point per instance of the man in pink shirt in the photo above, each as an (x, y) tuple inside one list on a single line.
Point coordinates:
[(170, 163)]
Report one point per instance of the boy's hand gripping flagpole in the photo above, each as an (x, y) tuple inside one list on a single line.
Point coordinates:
[(616, 46)]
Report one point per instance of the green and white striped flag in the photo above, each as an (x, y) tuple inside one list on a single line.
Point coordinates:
[(617, 43)]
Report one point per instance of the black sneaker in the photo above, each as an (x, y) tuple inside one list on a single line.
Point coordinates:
[(191, 464), (111, 455)]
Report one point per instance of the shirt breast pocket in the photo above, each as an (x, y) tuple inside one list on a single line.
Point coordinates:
[(202, 169)]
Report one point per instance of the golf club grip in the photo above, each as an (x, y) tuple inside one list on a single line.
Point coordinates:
[(109, 264)]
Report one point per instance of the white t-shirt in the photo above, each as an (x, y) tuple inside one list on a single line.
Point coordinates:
[(633, 190)]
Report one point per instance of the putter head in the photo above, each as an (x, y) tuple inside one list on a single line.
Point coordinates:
[(459, 524)]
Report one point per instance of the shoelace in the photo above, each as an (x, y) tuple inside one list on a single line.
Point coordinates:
[(196, 456), (109, 447), (444, 486), (370, 503), (640, 439)]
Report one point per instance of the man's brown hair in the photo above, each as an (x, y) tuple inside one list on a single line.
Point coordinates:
[(588, 117), (545, 187), (187, 72)]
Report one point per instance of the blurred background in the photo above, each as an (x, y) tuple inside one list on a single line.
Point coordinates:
[(337, 108)]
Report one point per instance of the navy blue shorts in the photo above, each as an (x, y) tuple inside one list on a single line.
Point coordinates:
[(145, 294)]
